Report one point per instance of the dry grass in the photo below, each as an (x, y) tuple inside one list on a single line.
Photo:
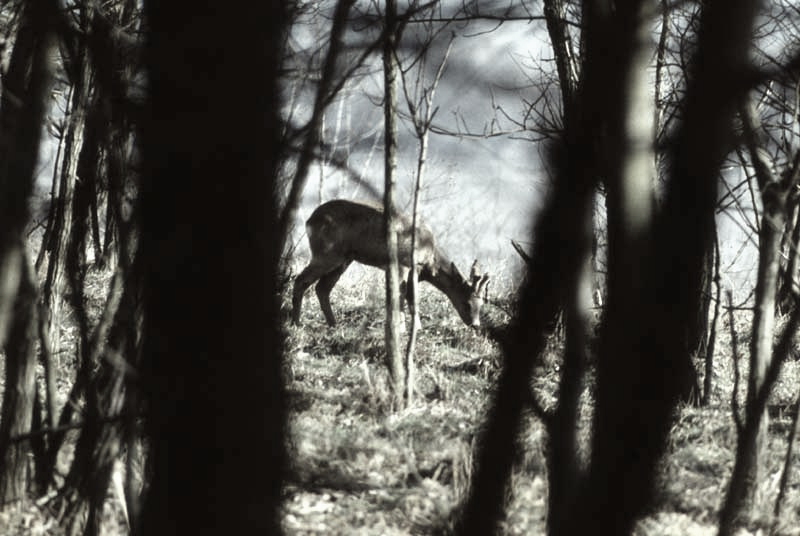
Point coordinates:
[(37, 518), (361, 469)]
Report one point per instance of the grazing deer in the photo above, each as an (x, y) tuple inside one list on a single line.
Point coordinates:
[(340, 232)]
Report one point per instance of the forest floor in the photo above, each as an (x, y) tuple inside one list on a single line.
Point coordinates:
[(42, 516), (361, 468)]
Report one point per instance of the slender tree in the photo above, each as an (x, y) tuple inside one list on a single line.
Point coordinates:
[(775, 191), (655, 257), (394, 358), (328, 86), (419, 101)]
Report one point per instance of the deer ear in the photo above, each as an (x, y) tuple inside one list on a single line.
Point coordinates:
[(455, 273), (473, 272)]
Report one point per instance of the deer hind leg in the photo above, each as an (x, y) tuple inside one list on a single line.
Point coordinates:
[(324, 287), (407, 295), (310, 273), (405, 287)]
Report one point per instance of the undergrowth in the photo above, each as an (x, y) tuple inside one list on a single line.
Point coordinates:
[(360, 468)]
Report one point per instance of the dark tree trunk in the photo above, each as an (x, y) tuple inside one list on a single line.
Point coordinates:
[(740, 501), (626, 367), (114, 53), (99, 444), (655, 258), (789, 284), (556, 270), (54, 285), (89, 168), (47, 236), (20, 392), (640, 377), (119, 223), (697, 326), (708, 380), (567, 58), (28, 78), (325, 92), (101, 437), (209, 252), (26, 81)]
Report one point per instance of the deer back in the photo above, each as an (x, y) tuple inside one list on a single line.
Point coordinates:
[(354, 231)]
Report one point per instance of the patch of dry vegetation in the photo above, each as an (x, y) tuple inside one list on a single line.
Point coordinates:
[(361, 469), (38, 518)]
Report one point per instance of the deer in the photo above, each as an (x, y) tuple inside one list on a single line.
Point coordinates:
[(342, 231)]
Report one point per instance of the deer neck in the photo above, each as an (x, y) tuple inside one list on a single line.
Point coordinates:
[(449, 283)]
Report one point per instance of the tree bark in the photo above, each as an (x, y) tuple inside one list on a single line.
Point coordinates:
[(325, 91), (624, 412), (568, 62), (54, 284), (22, 111), (556, 275), (89, 170), (708, 380), (740, 500), (697, 327), (212, 346), (394, 356), (99, 445), (789, 285), (20, 392), (21, 121)]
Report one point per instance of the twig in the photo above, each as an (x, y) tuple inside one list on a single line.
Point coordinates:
[(787, 465), (737, 418), (525, 256), (65, 428)]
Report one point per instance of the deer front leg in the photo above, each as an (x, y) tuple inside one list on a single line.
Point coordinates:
[(324, 287), (301, 283), (310, 273)]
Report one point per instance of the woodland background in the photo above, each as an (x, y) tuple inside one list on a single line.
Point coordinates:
[(157, 160)]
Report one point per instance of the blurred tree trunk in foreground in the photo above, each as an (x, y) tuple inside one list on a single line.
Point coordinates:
[(80, 74), (569, 48), (656, 259), (101, 378), (212, 346), (22, 112), (19, 396), (60, 238), (567, 58)]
